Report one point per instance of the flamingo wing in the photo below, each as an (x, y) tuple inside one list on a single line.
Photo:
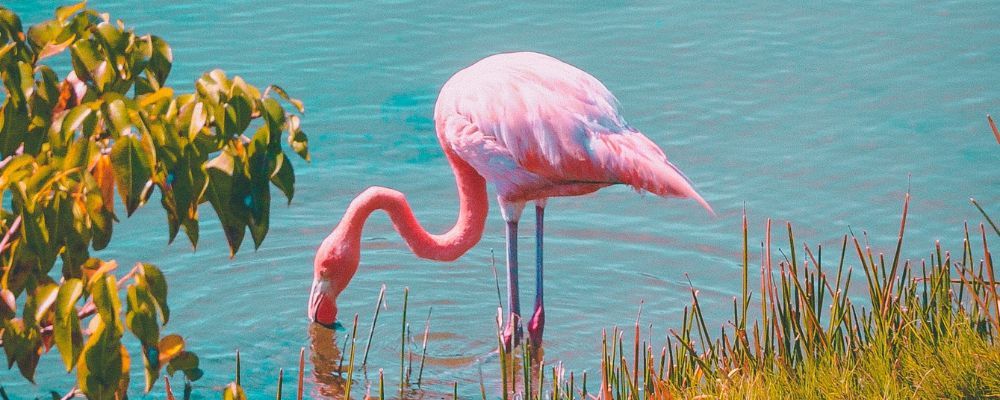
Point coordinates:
[(534, 127)]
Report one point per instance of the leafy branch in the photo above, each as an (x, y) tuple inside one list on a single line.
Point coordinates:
[(112, 124)]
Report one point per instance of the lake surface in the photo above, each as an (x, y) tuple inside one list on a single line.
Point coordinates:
[(820, 115)]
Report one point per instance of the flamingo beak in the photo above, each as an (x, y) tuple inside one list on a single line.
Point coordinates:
[(322, 309)]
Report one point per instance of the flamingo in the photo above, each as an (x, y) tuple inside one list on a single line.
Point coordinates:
[(530, 126)]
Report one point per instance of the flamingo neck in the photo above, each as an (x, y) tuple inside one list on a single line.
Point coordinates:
[(338, 257)]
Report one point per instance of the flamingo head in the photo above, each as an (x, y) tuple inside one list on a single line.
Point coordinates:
[(323, 303), (334, 266)]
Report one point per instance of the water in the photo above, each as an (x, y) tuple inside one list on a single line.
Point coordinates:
[(821, 115)]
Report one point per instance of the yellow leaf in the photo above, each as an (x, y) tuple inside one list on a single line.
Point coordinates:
[(52, 49), (163, 93), (46, 295), (126, 361), (170, 346), (94, 325), (105, 177)]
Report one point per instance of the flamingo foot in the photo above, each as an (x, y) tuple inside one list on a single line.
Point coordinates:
[(536, 326)]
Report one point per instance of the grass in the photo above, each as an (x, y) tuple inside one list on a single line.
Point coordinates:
[(927, 329), (919, 329)]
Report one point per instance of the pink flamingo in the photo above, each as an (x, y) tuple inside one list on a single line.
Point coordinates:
[(531, 126)]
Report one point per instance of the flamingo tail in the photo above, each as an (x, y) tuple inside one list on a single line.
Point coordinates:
[(634, 160)]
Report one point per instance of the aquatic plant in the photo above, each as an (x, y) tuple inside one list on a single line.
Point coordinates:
[(67, 143)]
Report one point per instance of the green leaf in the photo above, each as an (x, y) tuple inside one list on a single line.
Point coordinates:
[(296, 138), (44, 33), (151, 366), (68, 338), (17, 169), (99, 370), (118, 115), (194, 179), (260, 191), (184, 361), (198, 118), (194, 374), (227, 191), (43, 298), (132, 170), (100, 203), (36, 233), (237, 118), (104, 291), (64, 12), (80, 154), (20, 82), (48, 90), (86, 58), (157, 288), (22, 345), (141, 321), (160, 61), (284, 95), (113, 37), (274, 115), (283, 176), (14, 126), (74, 120), (10, 24), (170, 206), (140, 317)]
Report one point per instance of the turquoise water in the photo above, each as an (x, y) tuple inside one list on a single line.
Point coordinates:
[(821, 115)]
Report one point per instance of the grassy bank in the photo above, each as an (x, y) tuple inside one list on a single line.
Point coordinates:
[(924, 329)]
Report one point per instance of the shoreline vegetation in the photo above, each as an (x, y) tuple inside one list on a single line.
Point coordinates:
[(921, 329)]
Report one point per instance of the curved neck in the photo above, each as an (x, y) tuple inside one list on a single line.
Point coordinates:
[(339, 255)]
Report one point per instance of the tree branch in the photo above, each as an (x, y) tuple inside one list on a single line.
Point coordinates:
[(10, 232)]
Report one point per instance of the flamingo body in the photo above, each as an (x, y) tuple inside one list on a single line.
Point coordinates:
[(529, 125), (536, 127)]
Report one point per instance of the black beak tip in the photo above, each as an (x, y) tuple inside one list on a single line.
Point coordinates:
[(336, 325)]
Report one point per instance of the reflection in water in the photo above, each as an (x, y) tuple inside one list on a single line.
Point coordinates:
[(325, 357), (513, 370), (330, 371)]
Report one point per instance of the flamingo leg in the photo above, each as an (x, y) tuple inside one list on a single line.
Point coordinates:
[(513, 330), (537, 323)]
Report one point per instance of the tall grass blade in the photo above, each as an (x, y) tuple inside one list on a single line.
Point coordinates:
[(988, 219), (350, 362), (237, 367), (993, 126), (281, 379), (302, 371), (166, 385), (423, 346), (381, 384), (402, 342), (371, 333)]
